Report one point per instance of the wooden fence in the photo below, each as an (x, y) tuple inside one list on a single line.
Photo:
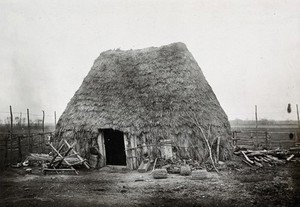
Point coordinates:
[(17, 139), (15, 147), (266, 137)]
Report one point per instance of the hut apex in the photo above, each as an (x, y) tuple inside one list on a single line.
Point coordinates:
[(146, 103)]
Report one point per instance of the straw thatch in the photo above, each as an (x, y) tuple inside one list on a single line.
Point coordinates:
[(146, 93)]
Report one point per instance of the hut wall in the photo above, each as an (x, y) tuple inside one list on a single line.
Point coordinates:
[(180, 145)]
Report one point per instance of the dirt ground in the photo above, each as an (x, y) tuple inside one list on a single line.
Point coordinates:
[(237, 185)]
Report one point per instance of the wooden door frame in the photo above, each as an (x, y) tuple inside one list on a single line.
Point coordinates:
[(131, 161)]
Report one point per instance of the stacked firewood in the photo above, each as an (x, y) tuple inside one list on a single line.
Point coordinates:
[(263, 158)]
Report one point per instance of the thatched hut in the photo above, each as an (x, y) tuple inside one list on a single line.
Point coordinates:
[(138, 103)]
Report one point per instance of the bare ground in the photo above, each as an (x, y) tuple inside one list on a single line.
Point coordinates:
[(273, 186)]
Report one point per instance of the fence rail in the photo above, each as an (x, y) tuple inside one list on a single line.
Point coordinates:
[(18, 138), (15, 147), (266, 138)]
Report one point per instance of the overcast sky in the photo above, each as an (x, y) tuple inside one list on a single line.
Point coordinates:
[(249, 51)]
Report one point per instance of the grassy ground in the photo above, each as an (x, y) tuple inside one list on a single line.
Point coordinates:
[(237, 185)]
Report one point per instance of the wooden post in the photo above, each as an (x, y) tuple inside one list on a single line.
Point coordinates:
[(20, 149), (297, 138), (266, 136), (43, 128), (11, 133), (298, 115), (234, 136), (20, 121), (6, 148), (126, 144), (218, 148), (256, 125), (29, 138), (54, 119)]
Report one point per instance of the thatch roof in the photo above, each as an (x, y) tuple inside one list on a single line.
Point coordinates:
[(144, 91)]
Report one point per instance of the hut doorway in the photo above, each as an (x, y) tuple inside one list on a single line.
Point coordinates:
[(114, 147)]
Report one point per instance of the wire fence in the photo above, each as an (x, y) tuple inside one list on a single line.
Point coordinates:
[(22, 118)]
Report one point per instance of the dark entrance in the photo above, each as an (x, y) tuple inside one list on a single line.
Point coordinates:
[(114, 147)]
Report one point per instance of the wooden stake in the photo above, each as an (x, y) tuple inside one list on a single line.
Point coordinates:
[(43, 128), (256, 125), (20, 150), (296, 140), (43, 122), (298, 115), (54, 119), (29, 138), (20, 121), (6, 149), (11, 133), (266, 134)]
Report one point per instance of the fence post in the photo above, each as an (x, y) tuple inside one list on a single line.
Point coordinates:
[(297, 138), (256, 125), (11, 133), (28, 125), (54, 119), (20, 150), (234, 138), (43, 128), (266, 134), (20, 120), (298, 116), (6, 149)]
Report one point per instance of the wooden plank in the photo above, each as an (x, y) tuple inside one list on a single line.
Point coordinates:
[(77, 155), (154, 165), (49, 169), (133, 145), (218, 148), (144, 166), (59, 154), (66, 153), (101, 145), (45, 170), (61, 144), (127, 152)]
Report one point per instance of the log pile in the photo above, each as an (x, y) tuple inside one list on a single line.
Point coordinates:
[(32, 157), (173, 166), (263, 158)]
